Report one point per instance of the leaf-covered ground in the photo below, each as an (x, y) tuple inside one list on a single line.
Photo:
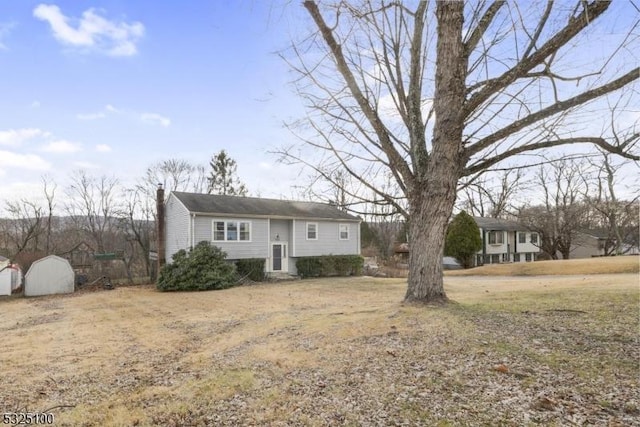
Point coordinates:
[(509, 351)]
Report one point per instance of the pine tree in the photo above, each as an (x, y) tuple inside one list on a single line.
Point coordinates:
[(463, 239), (223, 179)]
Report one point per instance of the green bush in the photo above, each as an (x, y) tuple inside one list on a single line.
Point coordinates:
[(203, 268), (463, 239), (251, 267), (330, 265)]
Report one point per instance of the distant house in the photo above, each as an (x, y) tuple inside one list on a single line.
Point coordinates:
[(596, 243), (506, 241), (279, 231)]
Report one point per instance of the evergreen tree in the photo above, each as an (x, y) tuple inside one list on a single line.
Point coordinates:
[(463, 239), (223, 179)]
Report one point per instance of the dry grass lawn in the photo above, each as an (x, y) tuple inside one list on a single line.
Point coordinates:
[(549, 350), (605, 265)]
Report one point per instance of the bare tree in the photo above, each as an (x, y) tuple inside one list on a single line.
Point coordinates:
[(174, 175), (432, 98), (49, 189), (487, 198), (91, 203), (563, 213), (617, 217), (136, 220), (23, 227)]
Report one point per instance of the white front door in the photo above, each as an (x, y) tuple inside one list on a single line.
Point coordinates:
[(279, 257)]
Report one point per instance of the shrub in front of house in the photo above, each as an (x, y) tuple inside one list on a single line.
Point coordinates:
[(330, 265), (253, 268), (202, 268)]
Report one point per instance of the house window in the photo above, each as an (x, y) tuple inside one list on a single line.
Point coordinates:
[(534, 238), (527, 257), (344, 231), (245, 231), (516, 257), (496, 237), (231, 231), (218, 230), (312, 231), (522, 237), (495, 259)]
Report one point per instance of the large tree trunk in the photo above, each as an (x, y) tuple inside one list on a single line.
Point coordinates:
[(431, 200), (430, 212)]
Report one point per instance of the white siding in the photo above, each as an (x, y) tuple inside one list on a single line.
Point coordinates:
[(527, 246), (509, 248), (177, 227), (497, 248), (281, 228), (49, 275), (328, 242), (256, 248)]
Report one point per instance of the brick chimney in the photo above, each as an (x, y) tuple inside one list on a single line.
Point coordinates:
[(160, 224)]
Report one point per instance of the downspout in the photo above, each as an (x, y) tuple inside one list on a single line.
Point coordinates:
[(292, 252), (484, 246), (192, 235)]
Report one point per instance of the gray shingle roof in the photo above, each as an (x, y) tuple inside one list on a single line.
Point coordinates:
[(498, 224), (234, 205)]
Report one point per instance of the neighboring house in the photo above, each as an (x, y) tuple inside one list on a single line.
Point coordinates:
[(594, 243), (278, 231), (506, 241)]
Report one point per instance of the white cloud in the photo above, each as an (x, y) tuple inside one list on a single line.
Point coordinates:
[(5, 29), (265, 165), (91, 116), (155, 119), (62, 146), (9, 159), (92, 32), (111, 108), (86, 165), (103, 148), (15, 137), (35, 104), (148, 118)]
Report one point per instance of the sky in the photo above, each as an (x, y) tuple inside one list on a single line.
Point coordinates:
[(113, 86)]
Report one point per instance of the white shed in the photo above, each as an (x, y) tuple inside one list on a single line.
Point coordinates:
[(49, 275), (10, 279)]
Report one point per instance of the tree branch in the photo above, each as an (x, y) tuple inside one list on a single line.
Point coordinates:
[(554, 109), (574, 26)]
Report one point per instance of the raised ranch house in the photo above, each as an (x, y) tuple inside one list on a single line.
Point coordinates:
[(506, 241), (278, 231)]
